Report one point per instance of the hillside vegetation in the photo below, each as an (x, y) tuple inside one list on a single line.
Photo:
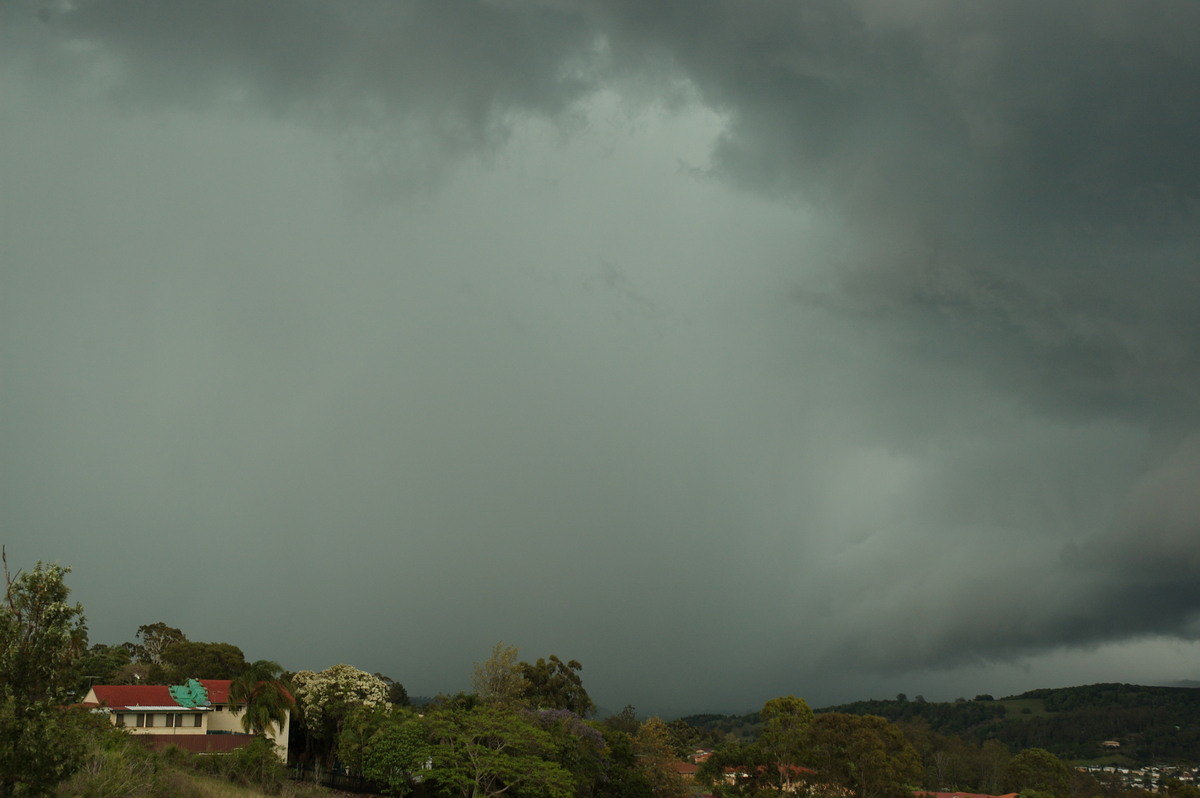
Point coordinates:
[(1151, 724)]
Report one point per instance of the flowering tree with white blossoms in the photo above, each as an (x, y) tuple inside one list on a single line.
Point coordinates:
[(326, 698)]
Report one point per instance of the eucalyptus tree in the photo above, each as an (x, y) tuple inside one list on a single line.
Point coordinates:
[(498, 679), (155, 639), (785, 739), (190, 659), (656, 755), (554, 684)]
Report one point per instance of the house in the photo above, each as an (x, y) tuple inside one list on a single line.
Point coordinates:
[(196, 717), (795, 778), (685, 770)]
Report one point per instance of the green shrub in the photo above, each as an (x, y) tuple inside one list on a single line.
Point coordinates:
[(117, 766), (256, 765)]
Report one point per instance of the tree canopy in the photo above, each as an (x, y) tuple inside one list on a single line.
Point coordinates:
[(397, 755), (865, 754), (498, 679), (554, 684), (1038, 769), (325, 699), (785, 739), (41, 635), (188, 659), (487, 751), (155, 639)]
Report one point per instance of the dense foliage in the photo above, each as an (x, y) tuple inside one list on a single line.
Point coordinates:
[(41, 637)]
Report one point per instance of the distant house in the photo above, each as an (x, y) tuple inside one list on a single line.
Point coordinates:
[(796, 778), (199, 719), (686, 770)]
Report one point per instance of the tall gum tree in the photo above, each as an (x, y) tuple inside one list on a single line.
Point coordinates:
[(498, 680), (785, 739), (554, 684)]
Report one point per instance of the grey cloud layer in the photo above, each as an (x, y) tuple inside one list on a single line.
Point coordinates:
[(1019, 186), (980, 378), (1020, 174)]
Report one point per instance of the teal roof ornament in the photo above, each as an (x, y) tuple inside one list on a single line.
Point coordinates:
[(190, 694)]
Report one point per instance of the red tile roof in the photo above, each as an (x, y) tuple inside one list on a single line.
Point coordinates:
[(125, 696), (120, 696), (218, 690)]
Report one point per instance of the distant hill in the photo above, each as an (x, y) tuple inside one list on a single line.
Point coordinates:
[(1152, 724), (717, 727), (960, 718), (1185, 683)]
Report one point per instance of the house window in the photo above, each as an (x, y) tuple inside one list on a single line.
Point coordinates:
[(120, 720), (140, 719), (149, 720), (196, 721), (220, 707)]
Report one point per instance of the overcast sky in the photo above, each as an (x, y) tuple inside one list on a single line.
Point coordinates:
[(736, 349)]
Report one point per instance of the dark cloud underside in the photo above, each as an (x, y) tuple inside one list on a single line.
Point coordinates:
[(860, 333)]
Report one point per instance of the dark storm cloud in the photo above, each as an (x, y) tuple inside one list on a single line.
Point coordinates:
[(1022, 174), (1019, 185), (964, 433), (411, 87), (1020, 193)]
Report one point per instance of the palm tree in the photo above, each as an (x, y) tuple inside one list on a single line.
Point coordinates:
[(266, 695)]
